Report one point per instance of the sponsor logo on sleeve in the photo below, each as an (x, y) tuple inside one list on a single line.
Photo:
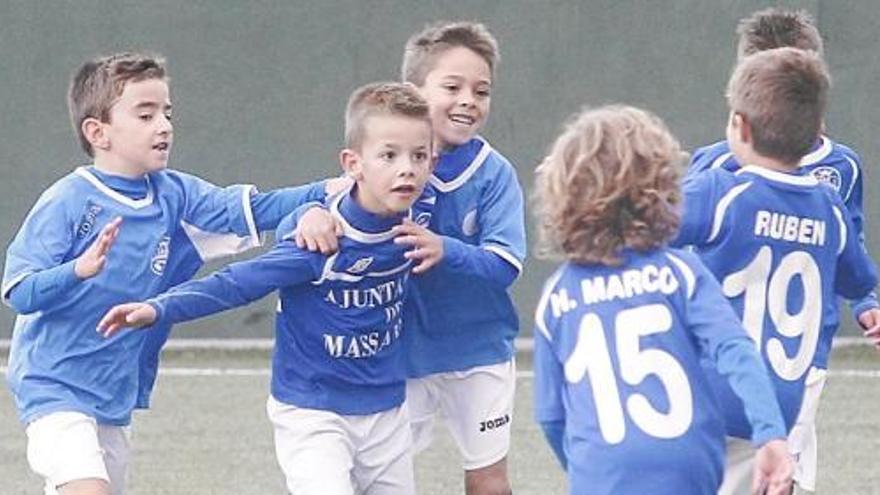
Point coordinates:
[(87, 222)]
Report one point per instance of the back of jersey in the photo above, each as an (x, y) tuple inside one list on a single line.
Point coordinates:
[(779, 244), (618, 359)]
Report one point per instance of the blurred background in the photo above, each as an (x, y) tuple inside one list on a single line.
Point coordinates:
[(259, 87)]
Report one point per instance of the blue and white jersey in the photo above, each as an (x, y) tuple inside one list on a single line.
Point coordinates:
[(58, 362), (338, 326), (189, 255), (460, 314), (618, 355), (781, 245), (829, 162)]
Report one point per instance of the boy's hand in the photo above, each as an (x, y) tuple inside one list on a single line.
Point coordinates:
[(774, 469), (318, 230), (337, 184), (132, 315), (870, 322), (92, 261), (427, 247)]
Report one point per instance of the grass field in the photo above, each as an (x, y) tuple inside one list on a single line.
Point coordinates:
[(208, 433)]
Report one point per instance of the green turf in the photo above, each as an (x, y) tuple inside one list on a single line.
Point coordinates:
[(210, 435)]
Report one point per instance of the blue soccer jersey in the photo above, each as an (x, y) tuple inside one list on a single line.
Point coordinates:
[(58, 362), (829, 162), (781, 245), (460, 314), (338, 328), (618, 355), (190, 254)]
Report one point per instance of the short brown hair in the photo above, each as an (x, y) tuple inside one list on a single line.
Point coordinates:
[(96, 86), (422, 48), (611, 181), (775, 28), (782, 94), (381, 98)]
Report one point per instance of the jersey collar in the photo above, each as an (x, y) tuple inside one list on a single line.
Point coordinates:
[(794, 178), (818, 154), (137, 204), (457, 165), (361, 225)]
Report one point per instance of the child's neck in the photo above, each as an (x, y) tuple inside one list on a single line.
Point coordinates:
[(109, 166), (762, 161), (371, 209)]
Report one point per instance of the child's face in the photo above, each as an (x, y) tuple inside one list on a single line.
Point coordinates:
[(393, 163), (139, 135), (458, 90)]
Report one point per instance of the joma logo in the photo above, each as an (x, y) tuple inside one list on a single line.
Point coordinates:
[(491, 424)]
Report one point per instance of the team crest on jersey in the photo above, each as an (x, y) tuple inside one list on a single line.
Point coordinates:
[(160, 258), (87, 222), (360, 265), (828, 175), (423, 219), (469, 225)]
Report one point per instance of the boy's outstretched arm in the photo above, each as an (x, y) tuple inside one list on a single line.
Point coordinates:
[(42, 288), (233, 286)]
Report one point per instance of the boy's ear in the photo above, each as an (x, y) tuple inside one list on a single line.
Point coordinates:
[(351, 164), (94, 132), (742, 127)]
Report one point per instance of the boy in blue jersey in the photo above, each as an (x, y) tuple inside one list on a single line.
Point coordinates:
[(122, 228), (782, 244), (338, 379), (460, 321), (622, 326), (828, 161)]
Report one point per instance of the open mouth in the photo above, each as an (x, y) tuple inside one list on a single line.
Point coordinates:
[(462, 119), (161, 147), (404, 189)]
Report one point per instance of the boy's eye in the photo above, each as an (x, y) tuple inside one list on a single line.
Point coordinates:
[(483, 93), (146, 117), (420, 156), (450, 87), (388, 155), (168, 116)]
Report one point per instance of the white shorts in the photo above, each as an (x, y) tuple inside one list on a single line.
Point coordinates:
[(738, 467), (321, 452), (68, 446), (476, 405), (802, 441), (801, 444)]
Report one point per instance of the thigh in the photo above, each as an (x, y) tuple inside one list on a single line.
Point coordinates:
[(738, 468), (313, 449), (383, 462), (64, 447), (478, 408), (421, 401)]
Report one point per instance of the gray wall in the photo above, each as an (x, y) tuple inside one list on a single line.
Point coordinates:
[(259, 87)]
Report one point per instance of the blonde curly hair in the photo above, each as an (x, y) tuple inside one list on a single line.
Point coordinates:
[(611, 181)]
